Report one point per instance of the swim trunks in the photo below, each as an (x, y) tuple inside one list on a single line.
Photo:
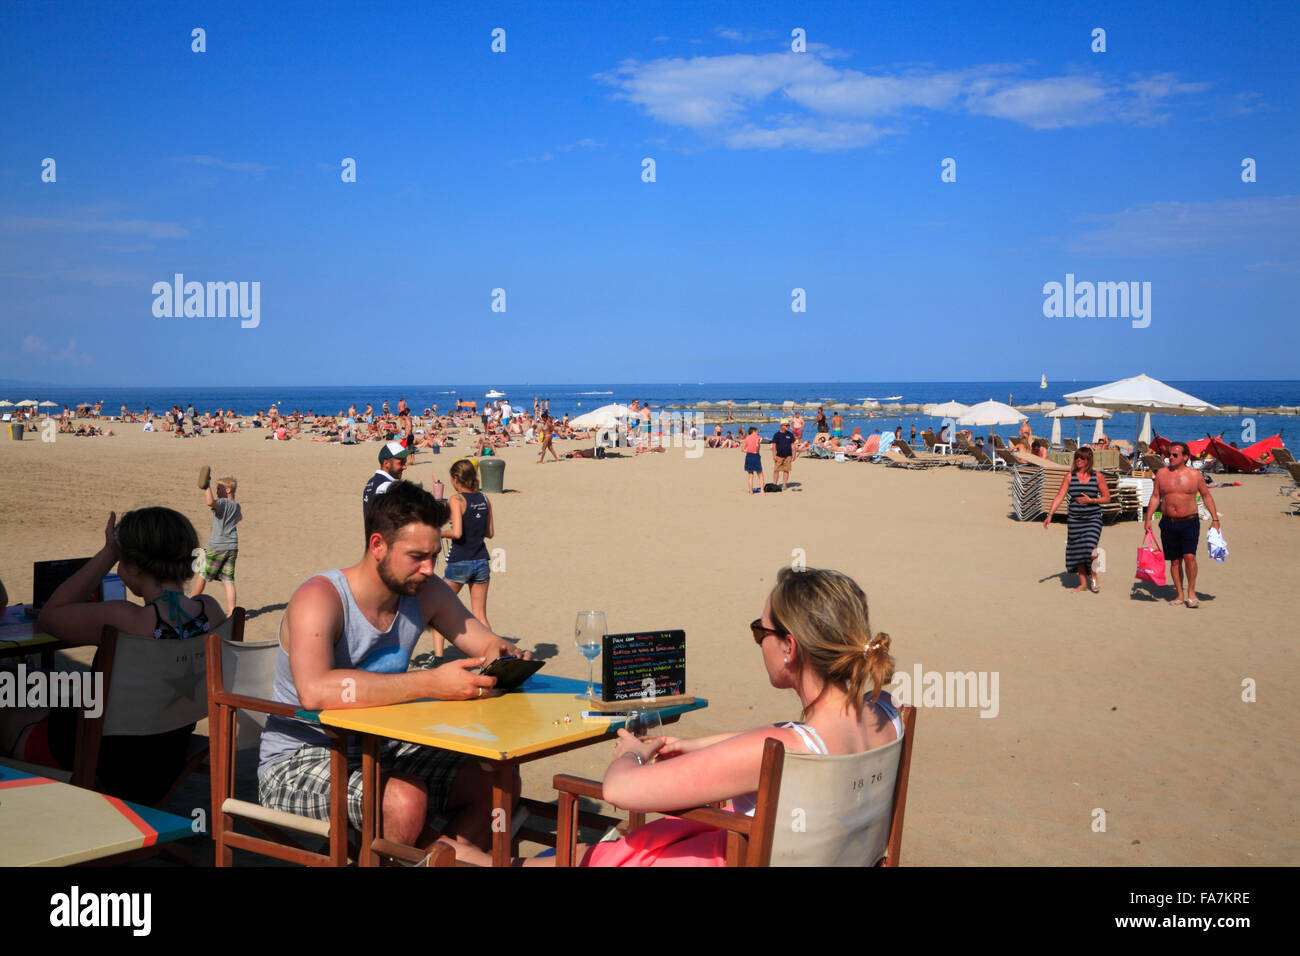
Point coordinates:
[(1179, 537)]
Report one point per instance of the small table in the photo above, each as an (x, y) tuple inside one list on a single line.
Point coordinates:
[(942, 448), (47, 823), (503, 730), (18, 637)]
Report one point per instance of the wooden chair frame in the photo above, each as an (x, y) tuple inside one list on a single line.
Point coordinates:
[(749, 839)]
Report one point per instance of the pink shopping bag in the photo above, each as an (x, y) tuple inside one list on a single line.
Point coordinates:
[(1151, 561)]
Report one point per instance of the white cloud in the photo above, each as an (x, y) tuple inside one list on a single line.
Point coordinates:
[(126, 227), (1269, 225), (732, 97), (32, 343), (257, 169)]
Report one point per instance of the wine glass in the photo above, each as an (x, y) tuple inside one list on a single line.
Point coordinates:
[(644, 724), (588, 634)]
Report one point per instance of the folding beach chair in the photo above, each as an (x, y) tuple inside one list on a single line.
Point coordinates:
[(982, 461), (1070, 445), (150, 687), (1153, 462), (850, 808), (240, 680)]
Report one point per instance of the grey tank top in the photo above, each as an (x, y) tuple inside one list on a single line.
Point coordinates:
[(361, 647)]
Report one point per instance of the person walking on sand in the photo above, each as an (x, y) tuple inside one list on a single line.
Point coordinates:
[(547, 436), (796, 426), (223, 543), (392, 463), (467, 561), (1176, 488), (753, 460), (782, 453), (1088, 492)]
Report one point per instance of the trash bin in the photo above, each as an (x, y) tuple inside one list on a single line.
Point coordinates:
[(492, 472), (16, 431)]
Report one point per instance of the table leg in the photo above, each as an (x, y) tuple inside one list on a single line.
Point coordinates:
[(502, 801), (371, 798)]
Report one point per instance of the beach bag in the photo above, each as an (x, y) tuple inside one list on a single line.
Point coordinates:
[(1151, 562)]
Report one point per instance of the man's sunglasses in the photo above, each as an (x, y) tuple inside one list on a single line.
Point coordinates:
[(760, 632)]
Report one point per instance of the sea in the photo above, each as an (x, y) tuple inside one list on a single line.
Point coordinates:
[(576, 399)]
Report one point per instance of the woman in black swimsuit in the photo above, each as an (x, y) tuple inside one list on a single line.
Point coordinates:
[(153, 549)]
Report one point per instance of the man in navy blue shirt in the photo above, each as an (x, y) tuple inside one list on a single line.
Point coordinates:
[(782, 453)]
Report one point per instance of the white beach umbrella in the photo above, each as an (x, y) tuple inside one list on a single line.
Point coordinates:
[(1077, 412), (27, 402), (1099, 431), (49, 404), (991, 413), (6, 404), (1056, 431), (953, 410), (607, 416), (946, 410), (1145, 433), (1142, 394)]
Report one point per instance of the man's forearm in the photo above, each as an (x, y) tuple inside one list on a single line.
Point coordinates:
[(356, 688)]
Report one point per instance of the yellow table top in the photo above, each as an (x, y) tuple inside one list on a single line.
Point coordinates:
[(47, 823), (500, 726)]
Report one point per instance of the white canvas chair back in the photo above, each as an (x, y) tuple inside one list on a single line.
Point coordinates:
[(248, 669), (157, 686), (835, 810)]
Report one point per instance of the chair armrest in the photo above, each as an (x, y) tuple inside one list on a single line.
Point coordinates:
[(255, 703), (578, 786), (722, 819)]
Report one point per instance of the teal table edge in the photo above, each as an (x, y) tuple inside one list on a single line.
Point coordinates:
[(166, 826)]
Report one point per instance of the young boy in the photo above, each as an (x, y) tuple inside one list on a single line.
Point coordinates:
[(223, 543)]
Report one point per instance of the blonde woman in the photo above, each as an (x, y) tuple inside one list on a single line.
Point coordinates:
[(816, 640)]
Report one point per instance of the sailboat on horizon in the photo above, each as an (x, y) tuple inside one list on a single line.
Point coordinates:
[(1043, 383)]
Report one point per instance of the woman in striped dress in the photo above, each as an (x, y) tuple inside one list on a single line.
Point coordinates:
[(1088, 491)]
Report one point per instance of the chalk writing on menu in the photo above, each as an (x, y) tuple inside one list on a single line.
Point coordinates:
[(646, 664)]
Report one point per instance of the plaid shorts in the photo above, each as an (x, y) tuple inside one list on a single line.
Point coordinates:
[(301, 783), (220, 566)]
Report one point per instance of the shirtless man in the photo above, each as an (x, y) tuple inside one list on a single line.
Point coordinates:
[(1176, 488)]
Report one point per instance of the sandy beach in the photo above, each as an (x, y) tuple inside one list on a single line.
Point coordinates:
[(1105, 701)]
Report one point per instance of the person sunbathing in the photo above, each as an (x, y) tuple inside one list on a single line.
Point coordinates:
[(815, 637)]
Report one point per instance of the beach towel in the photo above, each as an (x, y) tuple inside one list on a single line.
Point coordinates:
[(872, 446), (1151, 562), (1218, 547), (886, 440)]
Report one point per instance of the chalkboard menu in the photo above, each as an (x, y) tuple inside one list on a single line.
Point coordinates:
[(644, 664)]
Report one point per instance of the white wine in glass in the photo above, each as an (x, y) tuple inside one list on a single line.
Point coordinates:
[(589, 634)]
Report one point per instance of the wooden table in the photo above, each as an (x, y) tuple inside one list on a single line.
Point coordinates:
[(47, 823), (503, 730), (18, 637)]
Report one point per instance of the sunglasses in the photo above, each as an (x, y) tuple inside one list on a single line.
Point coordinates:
[(760, 632)]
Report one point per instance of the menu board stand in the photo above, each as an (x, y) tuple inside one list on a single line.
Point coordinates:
[(642, 670)]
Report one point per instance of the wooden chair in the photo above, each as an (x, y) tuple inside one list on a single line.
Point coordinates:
[(241, 678), (150, 687), (1153, 462), (848, 809)]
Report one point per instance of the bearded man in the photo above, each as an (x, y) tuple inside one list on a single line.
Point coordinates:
[(345, 641)]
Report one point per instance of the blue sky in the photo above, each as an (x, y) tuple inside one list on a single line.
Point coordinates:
[(522, 170)]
